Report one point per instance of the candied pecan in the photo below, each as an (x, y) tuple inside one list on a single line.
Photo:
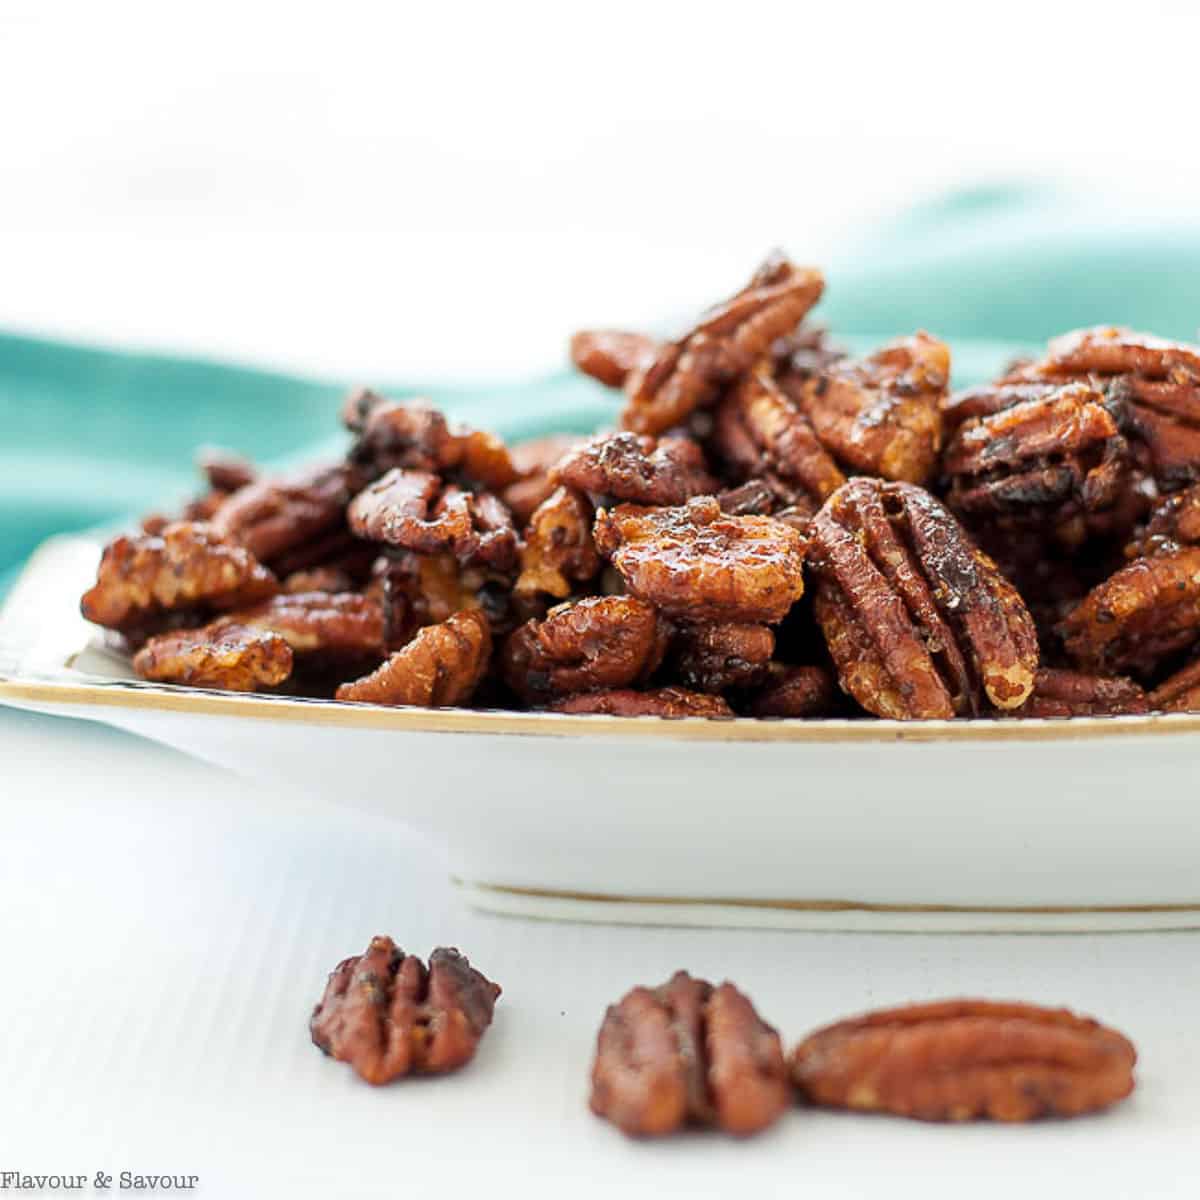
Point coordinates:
[(187, 566), (1139, 616), (558, 551), (319, 625), (440, 667), (958, 1060), (623, 466), (918, 621), (225, 655), (388, 1016), (688, 1053), (1173, 524), (1038, 455), (672, 703), (699, 564), (589, 645), (224, 470), (688, 374), (715, 658), (882, 415), (988, 399), (611, 355), (804, 351), (279, 514), (794, 692), (318, 579), (534, 461), (1180, 692), (760, 433), (1061, 693), (417, 510)]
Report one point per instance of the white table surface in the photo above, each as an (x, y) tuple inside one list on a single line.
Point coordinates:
[(165, 930)]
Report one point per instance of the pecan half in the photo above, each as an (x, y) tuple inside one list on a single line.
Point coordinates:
[(919, 622), (717, 658), (794, 692), (188, 566), (623, 466), (672, 703), (1179, 693), (417, 510), (558, 551), (1062, 693), (320, 626), (224, 470), (1174, 523), (699, 564), (589, 645), (958, 1060), (882, 415), (440, 667), (688, 374), (688, 1053), (225, 655), (388, 1016), (610, 355)]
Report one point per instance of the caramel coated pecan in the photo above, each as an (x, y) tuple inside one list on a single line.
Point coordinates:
[(919, 622), (534, 461), (225, 655), (187, 566), (610, 355), (318, 579), (689, 373), (697, 563), (388, 1016), (1139, 616), (224, 470), (417, 510), (1179, 693), (276, 515), (440, 667), (717, 658), (321, 626), (958, 1060), (1174, 523), (794, 692), (623, 466), (557, 551), (1062, 693), (589, 645), (672, 703), (881, 416), (688, 1053)]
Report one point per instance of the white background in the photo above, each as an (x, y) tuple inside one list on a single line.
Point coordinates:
[(416, 189)]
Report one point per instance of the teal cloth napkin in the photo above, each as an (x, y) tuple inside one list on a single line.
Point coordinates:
[(88, 436)]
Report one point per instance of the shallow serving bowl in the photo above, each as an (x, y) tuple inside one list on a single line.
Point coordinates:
[(970, 825)]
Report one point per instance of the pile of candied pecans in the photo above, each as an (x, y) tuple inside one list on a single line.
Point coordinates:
[(691, 1054), (775, 531)]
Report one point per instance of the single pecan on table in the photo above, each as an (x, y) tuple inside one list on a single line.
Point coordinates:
[(145, 577), (671, 703), (690, 373), (699, 564), (590, 645), (1058, 692), (688, 1053), (388, 1015), (958, 1060), (440, 667), (643, 470), (224, 654), (611, 355), (919, 622), (557, 551)]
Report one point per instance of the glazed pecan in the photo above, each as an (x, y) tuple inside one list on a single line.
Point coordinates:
[(610, 355), (318, 579), (987, 399), (689, 373), (1174, 523), (699, 564), (958, 1060), (557, 551), (1138, 617), (417, 510), (1062, 693), (534, 462), (388, 1016), (919, 622), (1179, 693), (672, 703), (717, 658), (1038, 455), (276, 515), (225, 655), (320, 626), (643, 470), (187, 567), (794, 692), (589, 645), (440, 667), (881, 416), (224, 470), (688, 1053)]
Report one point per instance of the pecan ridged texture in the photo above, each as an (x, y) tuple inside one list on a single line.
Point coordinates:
[(224, 655), (718, 658), (1179, 692), (642, 470), (321, 626), (670, 703), (1059, 692), (557, 551), (960, 1060), (1174, 523), (919, 622), (688, 1053), (388, 1015)]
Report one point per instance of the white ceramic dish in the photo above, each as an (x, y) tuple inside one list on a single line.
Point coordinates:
[(984, 825)]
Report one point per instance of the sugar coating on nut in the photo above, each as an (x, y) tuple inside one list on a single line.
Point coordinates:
[(671, 703), (643, 470), (226, 655)]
